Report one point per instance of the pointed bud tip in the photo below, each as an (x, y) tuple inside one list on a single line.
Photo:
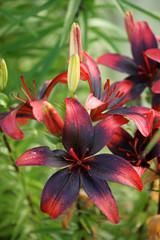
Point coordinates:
[(3, 74)]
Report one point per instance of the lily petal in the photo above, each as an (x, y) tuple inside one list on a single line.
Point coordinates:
[(140, 120), (94, 75), (154, 54), (104, 131), (113, 168), (47, 88), (141, 40), (37, 110), (118, 62), (60, 192), (43, 156), (156, 87), (78, 129), (93, 102), (9, 125), (156, 101), (100, 193)]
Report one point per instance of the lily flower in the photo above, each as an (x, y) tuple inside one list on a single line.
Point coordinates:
[(81, 166), (142, 70), (109, 102), (31, 108), (134, 149)]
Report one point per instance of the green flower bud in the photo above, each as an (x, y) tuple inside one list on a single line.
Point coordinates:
[(73, 74), (3, 74)]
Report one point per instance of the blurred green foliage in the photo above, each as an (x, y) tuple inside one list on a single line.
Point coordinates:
[(34, 42)]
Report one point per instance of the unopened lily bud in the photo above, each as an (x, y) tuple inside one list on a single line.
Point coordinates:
[(3, 74), (52, 119), (129, 23), (75, 46), (73, 73)]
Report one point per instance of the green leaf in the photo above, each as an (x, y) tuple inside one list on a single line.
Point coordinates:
[(142, 10)]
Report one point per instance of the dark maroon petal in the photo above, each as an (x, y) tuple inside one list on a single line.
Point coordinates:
[(154, 54), (94, 75), (47, 88), (43, 156), (156, 87), (156, 101), (119, 143), (140, 120), (100, 193), (142, 39), (118, 62), (9, 125), (78, 130), (155, 152), (59, 192), (138, 87), (113, 168), (104, 131), (37, 110)]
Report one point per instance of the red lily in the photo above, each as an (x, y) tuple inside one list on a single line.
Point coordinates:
[(82, 167), (108, 103), (133, 149), (31, 107), (142, 70)]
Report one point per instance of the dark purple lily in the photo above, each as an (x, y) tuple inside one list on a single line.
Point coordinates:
[(142, 70), (108, 103), (31, 108), (133, 149), (81, 166)]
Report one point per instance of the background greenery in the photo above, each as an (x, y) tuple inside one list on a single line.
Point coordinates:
[(34, 40)]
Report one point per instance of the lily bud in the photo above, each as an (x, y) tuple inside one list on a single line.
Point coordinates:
[(52, 119), (129, 23), (3, 74), (73, 73), (75, 46)]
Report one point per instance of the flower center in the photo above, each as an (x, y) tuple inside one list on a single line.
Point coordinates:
[(110, 95), (76, 160), (149, 70), (133, 154), (31, 95)]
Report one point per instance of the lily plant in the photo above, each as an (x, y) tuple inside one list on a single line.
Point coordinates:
[(81, 165), (142, 70)]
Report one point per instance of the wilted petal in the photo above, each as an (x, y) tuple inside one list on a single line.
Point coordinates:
[(113, 168), (43, 156), (156, 87), (118, 62), (154, 54), (140, 120), (141, 40), (78, 130), (100, 193), (94, 75), (60, 192), (104, 131), (9, 125)]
